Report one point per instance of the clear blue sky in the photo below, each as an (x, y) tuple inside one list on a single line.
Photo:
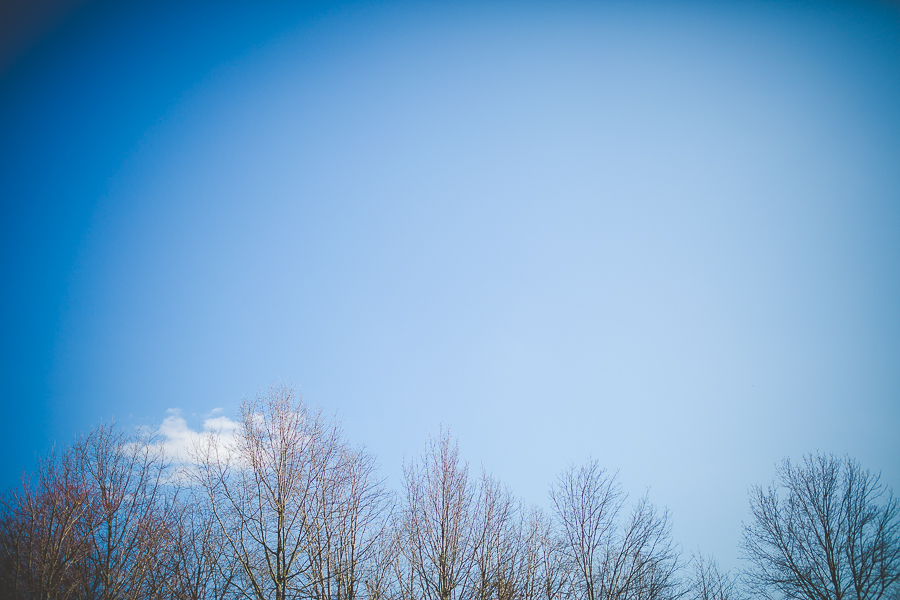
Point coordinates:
[(665, 235)]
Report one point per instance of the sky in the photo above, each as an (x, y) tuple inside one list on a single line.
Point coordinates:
[(665, 235)]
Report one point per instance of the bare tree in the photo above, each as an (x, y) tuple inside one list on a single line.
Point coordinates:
[(530, 556), (345, 523), (92, 523), (293, 502), (587, 501), (258, 488), (709, 582), (45, 530), (824, 530), (125, 474), (608, 560), (403, 584), (437, 536), (380, 577), (199, 566), (641, 561), (496, 549), (543, 569)]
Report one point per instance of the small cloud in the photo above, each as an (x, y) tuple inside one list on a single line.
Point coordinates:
[(177, 437), (219, 424), (178, 440)]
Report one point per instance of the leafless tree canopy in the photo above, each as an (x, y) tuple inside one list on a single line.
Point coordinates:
[(95, 524), (587, 501), (438, 535), (824, 530), (296, 507), (710, 582), (608, 558), (200, 565), (46, 529), (285, 508)]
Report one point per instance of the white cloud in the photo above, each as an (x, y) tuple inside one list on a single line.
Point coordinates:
[(219, 424), (178, 439)]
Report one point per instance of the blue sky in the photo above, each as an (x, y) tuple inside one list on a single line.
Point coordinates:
[(665, 235)]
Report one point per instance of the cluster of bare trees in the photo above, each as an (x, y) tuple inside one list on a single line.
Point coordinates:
[(455, 535), (285, 508), (92, 523)]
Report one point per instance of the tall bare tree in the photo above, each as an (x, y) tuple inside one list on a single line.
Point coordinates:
[(608, 559), (131, 514), (824, 530), (587, 501), (497, 542), (438, 533), (258, 486), (346, 522), (294, 503)]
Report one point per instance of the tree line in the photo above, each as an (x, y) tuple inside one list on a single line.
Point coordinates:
[(286, 508)]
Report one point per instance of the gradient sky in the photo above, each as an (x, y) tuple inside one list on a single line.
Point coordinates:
[(665, 235)]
